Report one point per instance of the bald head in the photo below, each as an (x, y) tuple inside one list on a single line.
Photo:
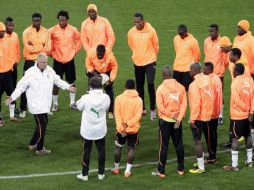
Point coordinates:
[(195, 69), (166, 72)]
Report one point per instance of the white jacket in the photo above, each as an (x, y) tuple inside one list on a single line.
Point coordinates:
[(94, 106), (38, 86)]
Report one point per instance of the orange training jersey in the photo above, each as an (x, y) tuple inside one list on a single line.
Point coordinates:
[(217, 94), (246, 44), (96, 33), (144, 45), (201, 98), (214, 54), (128, 109), (40, 42), (187, 52), (171, 100), (6, 63), (15, 46), (241, 97), (107, 63), (65, 43)]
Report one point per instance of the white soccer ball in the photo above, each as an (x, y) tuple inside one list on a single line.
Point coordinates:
[(104, 78)]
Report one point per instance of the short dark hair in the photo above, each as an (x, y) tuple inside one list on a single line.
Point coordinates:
[(209, 65), (214, 26), (36, 15), (8, 19), (95, 82), (239, 68), (236, 52), (182, 27), (101, 48), (139, 15), (63, 13), (130, 84)]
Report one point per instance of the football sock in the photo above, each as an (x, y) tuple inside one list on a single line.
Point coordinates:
[(55, 99), (11, 110), (72, 98), (234, 158), (128, 168), (201, 164), (117, 165), (249, 155)]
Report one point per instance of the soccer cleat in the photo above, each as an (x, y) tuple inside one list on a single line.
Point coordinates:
[(43, 151), (54, 108), (110, 115), (50, 113), (196, 171), (101, 177), (152, 115), (73, 106), (241, 139), (22, 114), (127, 174), (231, 168), (32, 147), (181, 173), (248, 164), (210, 161), (227, 145), (158, 174), (81, 177), (144, 112), (220, 121), (15, 119), (115, 171)]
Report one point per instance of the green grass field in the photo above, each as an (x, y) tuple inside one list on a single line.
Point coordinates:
[(63, 130)]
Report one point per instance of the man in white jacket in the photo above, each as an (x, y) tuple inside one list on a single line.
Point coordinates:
[(94, 106), (38, 84)]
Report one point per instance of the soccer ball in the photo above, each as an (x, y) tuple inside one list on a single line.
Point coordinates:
[(104, 78)]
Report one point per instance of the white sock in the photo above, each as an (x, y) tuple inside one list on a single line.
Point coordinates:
[(249, 155), (234, 158), (201, 163), (72, 98), (252, 135), (128, 168), (221, 113), (117, 165), (11, 110), (55, 99)]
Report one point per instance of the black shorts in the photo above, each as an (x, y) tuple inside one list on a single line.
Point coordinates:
[(239, 128), (132, 139), (68, 69), (183, 78), (198, 129)]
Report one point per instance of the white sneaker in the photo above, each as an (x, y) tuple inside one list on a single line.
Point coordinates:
[(101, 177), (22, 114), (81, 177), (152, 115)]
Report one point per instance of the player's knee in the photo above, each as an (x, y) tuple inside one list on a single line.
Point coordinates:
[(248, 142), (235, 145)]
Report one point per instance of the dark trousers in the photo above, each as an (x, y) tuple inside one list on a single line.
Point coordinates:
[(87, 146), (183, 78), (108, 89), (40, 130), (23, 100), (15, 76), (147, 71), (210, 132), (167, 130), (6, 85)]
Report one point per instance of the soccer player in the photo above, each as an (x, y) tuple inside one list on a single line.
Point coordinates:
[(210, 130), (15, 47), (128, 113), (187, 52), (143, 41), (245, 42), (201, 108), (96, 30), (6, 72), (65, 42), (171, 103), (102, 60), (94, 106), (38, 84), (214, 54), (35, 40), (240, 107)]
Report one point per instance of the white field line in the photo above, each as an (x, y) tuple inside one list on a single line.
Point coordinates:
[(95, 170)]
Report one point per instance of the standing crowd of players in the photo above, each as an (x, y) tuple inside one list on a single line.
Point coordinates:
[(203, 82)]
